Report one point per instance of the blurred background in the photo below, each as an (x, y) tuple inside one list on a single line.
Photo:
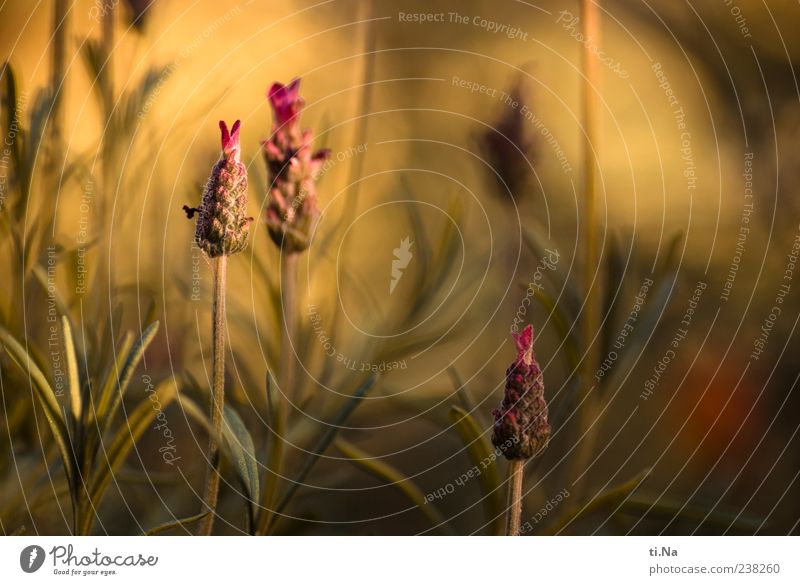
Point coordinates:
[(457, 127)]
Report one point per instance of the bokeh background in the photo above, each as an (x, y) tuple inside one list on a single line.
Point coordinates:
[(698, 166)]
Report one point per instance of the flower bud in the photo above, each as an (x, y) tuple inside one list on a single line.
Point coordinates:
[(293, 168), (222, 221), (521, 428)]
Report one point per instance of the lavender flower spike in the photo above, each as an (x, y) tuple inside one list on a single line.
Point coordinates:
[(222, 222), (293, 168), (521, 428)]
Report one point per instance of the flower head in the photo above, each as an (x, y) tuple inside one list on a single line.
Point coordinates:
[(222, 222), (286, 102), (230, 140), (293, 167), (521, 428), (509, 146)]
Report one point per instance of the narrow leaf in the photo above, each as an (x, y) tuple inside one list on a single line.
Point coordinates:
[(180, 522), (570, 289), (482, 456), (565, 330), (72, 372), (242, 453), (673, 509), (122, 443), (325, 440), (47, 399), (613, 495), (395, 478), (117, 383), (614, 292)]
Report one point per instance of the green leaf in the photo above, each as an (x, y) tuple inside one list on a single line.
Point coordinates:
[(276, 416), (563, 328), (117, 382), (673, 509), (463, 394), (614, 292), (421, 247), (537, 245), (72, 373), (325, 440), (395, 478), (48, 401), (40, 273), (614, 495), (450, 243), (242, 453), (107, 390), (644, 329), (480, 452), (180, 522), (122, 443), (13, 116)]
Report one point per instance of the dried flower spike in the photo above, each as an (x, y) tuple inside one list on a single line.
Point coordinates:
[(521, 428), (293, 167), (222, 222), (509, 147)]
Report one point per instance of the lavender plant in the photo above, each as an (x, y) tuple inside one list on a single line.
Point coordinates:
[(221, 230), (291, 217), (521, 428)]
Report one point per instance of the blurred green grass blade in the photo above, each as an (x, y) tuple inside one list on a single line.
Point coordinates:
[(325, 440), (42, 107), (463, 394), (179, 523), (122, 443), (275, 453), (614, 292), (72, 373), (479, 451), (672, 509), (14, 117), (563, 328), (242, 453), (112, 375), (31, 246), (648, 320), (449, 244), (393, 477), (47, 399), (538, 246), (612, 496), (40, 273), (10, 104), (117, 383), (421, 246)]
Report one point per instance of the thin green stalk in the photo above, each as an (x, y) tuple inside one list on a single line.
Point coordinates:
[(362, 107), (514, 510), (287, 391), (217, 395), (289, 305), (276, 452), (58, 76), (590, 23)]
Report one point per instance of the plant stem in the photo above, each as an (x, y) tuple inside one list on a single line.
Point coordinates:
[(590, 23), (287, 391), (58, 77), (289, 310), (514, 511), (217, 394)]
